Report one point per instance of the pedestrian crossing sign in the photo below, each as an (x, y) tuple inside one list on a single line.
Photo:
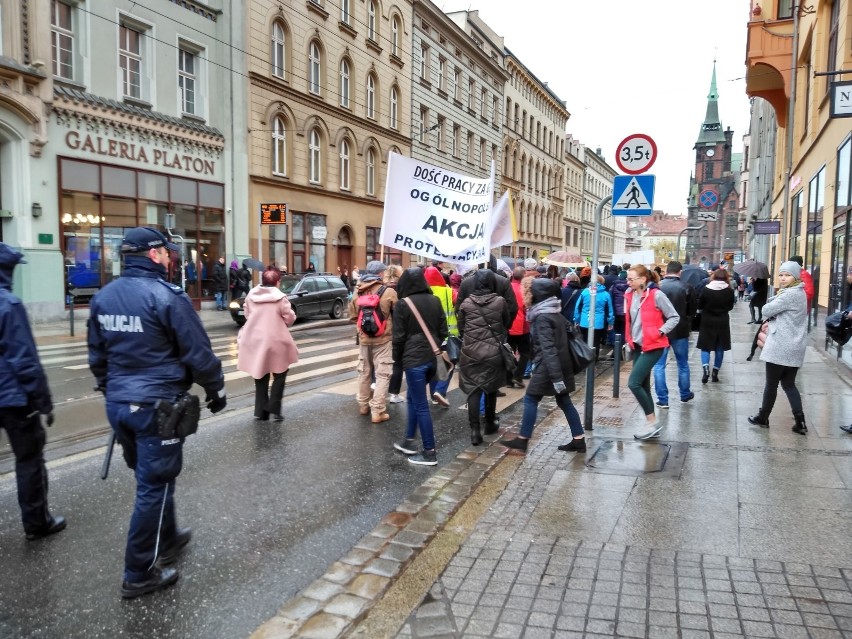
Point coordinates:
[(633, 194)]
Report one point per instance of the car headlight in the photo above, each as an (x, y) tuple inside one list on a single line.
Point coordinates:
[(234, 304)]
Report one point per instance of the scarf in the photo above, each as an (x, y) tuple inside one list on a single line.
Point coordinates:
[(550, 305)]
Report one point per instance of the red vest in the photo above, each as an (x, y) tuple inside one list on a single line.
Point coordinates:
[(652, 321)]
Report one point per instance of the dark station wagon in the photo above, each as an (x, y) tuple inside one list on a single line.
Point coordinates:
[(309, 294)]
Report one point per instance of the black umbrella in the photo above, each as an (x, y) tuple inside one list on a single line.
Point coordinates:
[(758, 270), (692, 274), (252, 263)]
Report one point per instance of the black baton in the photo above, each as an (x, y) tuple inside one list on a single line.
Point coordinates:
[(108, 456)]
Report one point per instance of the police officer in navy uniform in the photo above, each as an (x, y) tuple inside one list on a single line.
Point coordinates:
[(147, 343), (24, 398)]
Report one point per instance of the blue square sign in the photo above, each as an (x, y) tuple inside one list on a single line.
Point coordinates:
[(633, 194)]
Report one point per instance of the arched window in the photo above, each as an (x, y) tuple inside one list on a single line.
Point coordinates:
[(371, 20), (394, 107), (371, 172), (371, 96), (314, 66), (279, 146), (344, 164), (278, 50), (515, 165), (315, 157), (344, 83), (506, 161), (395, 36)]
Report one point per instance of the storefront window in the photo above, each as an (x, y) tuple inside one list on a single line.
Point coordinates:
[(317, 245), (844, 175), (796, 228), (100, 203), (278, 245)]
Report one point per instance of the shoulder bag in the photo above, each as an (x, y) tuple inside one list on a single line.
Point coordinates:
[(443, 365), (509, 361)]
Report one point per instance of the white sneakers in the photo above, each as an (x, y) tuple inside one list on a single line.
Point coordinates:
[(395, 399)]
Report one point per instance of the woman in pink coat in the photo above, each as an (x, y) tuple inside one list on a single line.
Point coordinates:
[(265, 344)]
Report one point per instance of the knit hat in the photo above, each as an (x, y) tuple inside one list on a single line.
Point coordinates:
[(376, 268), (792, 268), (530, 264), (622, 275)]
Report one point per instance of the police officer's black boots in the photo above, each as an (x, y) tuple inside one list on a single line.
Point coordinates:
[(55, 525), (159, 578), (174, 548)]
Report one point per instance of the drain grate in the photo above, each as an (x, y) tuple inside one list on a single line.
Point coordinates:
[(634, 458)]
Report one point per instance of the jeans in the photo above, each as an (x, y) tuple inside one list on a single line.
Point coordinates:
[(680, 347), (717, 359), (441, 386), (786, 376), (639, 381), (220, 300), (157, 463), (418, 406), (531, 412)]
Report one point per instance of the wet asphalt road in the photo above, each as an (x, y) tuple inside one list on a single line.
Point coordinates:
[(271, 507)]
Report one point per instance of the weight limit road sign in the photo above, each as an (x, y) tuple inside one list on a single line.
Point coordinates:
[(636, 154)]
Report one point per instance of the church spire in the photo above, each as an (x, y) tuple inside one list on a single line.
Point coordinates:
[(711, 131)]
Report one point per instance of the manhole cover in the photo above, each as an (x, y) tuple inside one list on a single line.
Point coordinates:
[(634, 458)]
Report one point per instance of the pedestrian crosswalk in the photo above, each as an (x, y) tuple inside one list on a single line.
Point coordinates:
[(318, 356)]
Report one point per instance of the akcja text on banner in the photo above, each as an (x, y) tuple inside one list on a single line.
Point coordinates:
[(436, 213)]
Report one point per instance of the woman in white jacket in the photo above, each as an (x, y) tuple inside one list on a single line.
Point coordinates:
[(785, 345)]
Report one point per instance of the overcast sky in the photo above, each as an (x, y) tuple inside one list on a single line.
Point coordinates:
[(624, 66)]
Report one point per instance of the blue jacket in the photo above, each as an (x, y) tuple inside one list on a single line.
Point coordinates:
[(22, 379), (146, 342), (604, 311)]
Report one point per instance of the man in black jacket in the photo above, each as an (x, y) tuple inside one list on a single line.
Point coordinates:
[(682, 296)]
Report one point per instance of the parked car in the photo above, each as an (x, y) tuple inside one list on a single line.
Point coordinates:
[(309, 294)]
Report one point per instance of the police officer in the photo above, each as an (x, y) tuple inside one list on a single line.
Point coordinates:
[(24, 397), (146, 343)]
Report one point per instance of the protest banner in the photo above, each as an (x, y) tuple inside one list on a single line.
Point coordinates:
[(436, 213), (503, 228)]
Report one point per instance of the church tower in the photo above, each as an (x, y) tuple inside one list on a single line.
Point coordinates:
[(713, 194)]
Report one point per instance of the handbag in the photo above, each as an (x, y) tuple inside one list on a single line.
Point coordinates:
[(506, 352), (582, 355), (454, 345), (838, 327), (443, 366)]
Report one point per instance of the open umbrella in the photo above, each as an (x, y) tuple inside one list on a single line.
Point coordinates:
[(692, 274), (564, 258), (758, 270), (252, 263)]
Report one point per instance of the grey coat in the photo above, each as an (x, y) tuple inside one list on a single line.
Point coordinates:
[(787, 337)]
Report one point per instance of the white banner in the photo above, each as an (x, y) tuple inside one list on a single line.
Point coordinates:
[(503, 222), (436, 213)]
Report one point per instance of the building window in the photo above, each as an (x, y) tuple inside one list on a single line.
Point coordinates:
[(278, 51), (130, 61), (482, 152), (424, 123), (457, 84), (62, 39), (344, 165), (394, 106), (424, 62), (471, 89), (344, 83), (441, 134), (315, 157), (371, 96), (456, 140), (442, 74), (483, 104), (279, 146), (395, 36), (843, 190), (371, 172), (314, 73), (495, 110), (186, 80), (371, 20), (345, 14), (470, 147), (785, 9), (833, 28)]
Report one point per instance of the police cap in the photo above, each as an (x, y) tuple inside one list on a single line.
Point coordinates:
[(142, 238)]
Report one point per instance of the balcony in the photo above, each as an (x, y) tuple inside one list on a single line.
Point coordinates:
[(769, 54)]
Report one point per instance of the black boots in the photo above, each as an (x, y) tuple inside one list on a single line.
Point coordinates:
[(515, 444), (475, 433), (799, 426), (762, 419), (706, 375), (575, 446), (715, 377)]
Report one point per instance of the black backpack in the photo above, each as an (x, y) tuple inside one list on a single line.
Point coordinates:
[(838, 327)]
